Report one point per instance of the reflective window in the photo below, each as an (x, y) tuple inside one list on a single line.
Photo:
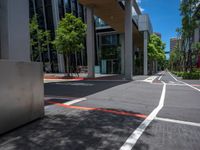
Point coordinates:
[(74, 8), (61, 8), (80, 12), (99, 22), (49, 16), (67, 4), (39, 12), (31, 8), (110, 39)]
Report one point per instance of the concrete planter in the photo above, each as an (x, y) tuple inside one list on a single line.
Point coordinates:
[(21, 93)]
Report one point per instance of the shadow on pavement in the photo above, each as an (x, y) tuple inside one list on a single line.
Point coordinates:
[(80, 130), (79, 88)]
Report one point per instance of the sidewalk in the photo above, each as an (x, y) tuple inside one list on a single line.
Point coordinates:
[(83, 76)]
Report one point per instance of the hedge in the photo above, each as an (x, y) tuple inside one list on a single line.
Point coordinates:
[(192, 75)]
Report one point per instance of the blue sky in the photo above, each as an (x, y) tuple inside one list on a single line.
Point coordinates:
[(165, 17)]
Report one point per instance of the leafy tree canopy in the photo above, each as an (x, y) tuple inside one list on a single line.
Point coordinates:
[(39, 37), (70, 35), (156, 48)]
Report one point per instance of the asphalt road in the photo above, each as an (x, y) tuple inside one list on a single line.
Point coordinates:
[(158, 113)]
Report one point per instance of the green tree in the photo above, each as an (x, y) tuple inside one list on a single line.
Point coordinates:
[(195, 52), (156, 51), (176, 57), (40, 39), (70, 36), (189, 23)]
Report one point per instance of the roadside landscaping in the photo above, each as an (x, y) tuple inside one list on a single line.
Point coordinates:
[(194, 75)]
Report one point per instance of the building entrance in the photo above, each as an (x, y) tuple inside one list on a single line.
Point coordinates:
[(110, 54)]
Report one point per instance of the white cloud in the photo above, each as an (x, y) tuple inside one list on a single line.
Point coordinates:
[(139, 2), (141, 9)]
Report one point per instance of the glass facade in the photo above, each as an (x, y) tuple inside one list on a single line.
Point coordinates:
[(99, 22), (110, 54), (44, 11), (107, 46), (74, 7), (67, 5)]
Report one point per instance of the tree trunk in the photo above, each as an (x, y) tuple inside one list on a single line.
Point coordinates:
[(184, 62), (67, 65), (190, 60), (151, 67)]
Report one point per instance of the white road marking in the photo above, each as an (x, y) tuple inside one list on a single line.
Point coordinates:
[(150, 79), (75, 101), (176, 84), (172, 76), (185, 83), (190, 86), (170, 84), (160, 77), (131, 141), (178, 121), (66, 103)]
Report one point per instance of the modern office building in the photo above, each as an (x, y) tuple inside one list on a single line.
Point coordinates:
[(173, 43), (14, 37), (196, 35), (49, 12), (116, 41)]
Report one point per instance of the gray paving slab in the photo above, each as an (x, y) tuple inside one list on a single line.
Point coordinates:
[(181, 103), (169, 136), (70, 129), (76, 129), (195, 83), (133, 96), (79, 88)]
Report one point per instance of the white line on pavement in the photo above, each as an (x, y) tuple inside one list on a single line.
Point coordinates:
[(160, 77), (178, 121), (67, 103), (131, 141), (172, 76), (185, 83), (190, 86), (75, 101), (150, 79), (176, 84)]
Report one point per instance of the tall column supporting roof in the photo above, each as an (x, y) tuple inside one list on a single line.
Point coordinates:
[(90, 42), (128, 40)]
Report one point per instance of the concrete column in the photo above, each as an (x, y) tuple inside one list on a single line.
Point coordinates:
[(134, 58), (14, 30), (56, 19), (122, 52), (156, 66), (141, 59), (145, 57), (90, 42), (128, 40)]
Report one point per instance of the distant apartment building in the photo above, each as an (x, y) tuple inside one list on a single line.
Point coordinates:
[(196, 35), (174, 42), (158, 34)]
